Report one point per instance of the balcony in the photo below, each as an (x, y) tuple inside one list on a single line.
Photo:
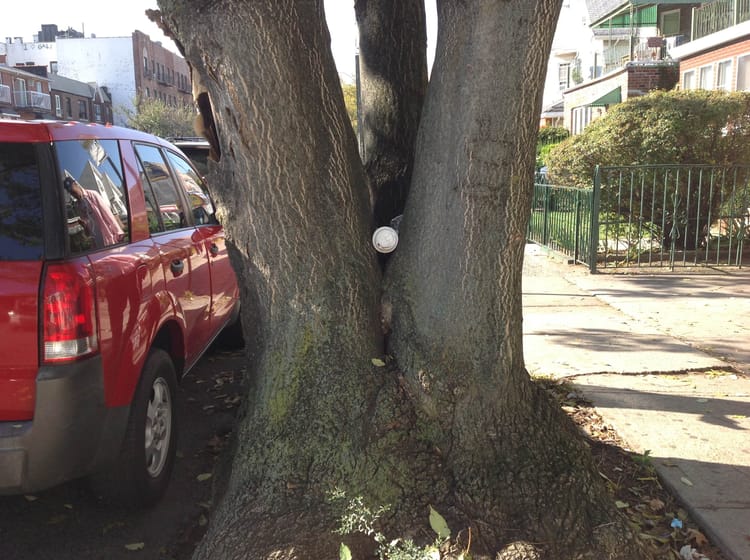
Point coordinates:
[(718, 15), (32, 100), (5, 95), (644, 49)]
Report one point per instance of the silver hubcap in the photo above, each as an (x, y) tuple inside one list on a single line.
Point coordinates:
[(158, 427)]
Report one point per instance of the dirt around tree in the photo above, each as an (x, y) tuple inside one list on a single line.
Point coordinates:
[(68, 523)]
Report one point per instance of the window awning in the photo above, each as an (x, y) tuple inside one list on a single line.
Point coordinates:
[(610, 98), (641, 2)]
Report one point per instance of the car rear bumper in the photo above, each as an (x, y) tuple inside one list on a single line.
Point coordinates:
[(71, 435)]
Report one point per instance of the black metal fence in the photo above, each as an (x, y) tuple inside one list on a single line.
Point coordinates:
[(648, 216)]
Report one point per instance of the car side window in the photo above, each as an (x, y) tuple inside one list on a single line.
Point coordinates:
[(96, 204), (166, 208), (195, 188)]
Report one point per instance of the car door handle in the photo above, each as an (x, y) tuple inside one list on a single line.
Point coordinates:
[(177, 267), (214, 249)]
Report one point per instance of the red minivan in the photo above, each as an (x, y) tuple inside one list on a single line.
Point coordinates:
[(114, 279)]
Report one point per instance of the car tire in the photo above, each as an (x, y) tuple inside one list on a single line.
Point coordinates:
[(144, 465)]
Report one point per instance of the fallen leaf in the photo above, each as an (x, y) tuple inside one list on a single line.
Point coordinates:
[(135, 546), (113, 525), (699, 538), (621, 505), (203, 477), (30, 498), (438, 524), (377, 362), (656, 504), (686, 481)]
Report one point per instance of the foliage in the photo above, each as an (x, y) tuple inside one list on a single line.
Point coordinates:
[(350, 100), (661, 128), (552, 135), (677, 127), (359, 518), (548, 138), (157, 118)]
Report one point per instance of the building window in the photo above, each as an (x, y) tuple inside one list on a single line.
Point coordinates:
[(82, 110), (670, 23), (724, 75), (743, 73), (582, 116), (564, 75), (98, 112), (53, 67), (58, 106), (68, 108), (706, 77), (688, 80)]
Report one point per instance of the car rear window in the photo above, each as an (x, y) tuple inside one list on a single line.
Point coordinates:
[(21, 234)]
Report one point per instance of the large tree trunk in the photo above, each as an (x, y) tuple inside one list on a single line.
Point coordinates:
[(393, 68), (452, 421), (455, 287)]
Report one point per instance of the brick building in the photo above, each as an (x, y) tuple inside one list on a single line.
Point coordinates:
[(590, 100), (23, 95), (78, 101), (719, 60), (130, 68)]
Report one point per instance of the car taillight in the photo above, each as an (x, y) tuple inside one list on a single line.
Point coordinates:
[(68, 313)]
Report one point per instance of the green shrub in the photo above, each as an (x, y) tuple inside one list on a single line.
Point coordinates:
[(676, 127)]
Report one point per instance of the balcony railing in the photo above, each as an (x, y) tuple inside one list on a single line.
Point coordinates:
[(718, 15), (644, 49), (32, 100), (5, 96)]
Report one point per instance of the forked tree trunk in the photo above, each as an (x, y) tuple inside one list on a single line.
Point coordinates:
[(453, 421), (393, 68)]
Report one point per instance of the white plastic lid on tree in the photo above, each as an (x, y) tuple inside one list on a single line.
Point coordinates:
[(385, 239)]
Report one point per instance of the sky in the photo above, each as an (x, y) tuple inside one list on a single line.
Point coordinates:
[(120, 19)]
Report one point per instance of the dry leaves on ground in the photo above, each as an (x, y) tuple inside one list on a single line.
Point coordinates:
[(660, 520)]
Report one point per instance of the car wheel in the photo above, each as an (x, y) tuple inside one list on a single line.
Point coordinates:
[(146, 458)]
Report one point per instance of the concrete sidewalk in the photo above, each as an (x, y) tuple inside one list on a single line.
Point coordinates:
[(663, 358)]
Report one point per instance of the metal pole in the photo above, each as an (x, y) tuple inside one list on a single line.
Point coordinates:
[(594, 233)]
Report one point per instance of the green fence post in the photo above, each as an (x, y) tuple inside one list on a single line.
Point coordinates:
[(577, 238), (545, 216), (594, 234)]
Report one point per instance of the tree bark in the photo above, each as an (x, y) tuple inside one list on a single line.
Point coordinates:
[(454, 286), (453, 420), (393, 70)]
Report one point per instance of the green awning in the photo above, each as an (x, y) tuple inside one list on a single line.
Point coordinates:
[(610, 98), (641, 2)]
